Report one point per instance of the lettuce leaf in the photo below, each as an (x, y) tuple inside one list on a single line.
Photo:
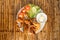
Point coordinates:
[(34, 10)]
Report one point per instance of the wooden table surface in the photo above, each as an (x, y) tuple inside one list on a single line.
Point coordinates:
[(8, 12)]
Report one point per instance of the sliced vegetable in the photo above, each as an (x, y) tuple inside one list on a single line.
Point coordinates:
[(27, 7), (20, 15), (34, 10), (23, 10)]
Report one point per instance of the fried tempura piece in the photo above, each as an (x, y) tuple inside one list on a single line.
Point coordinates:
[(19, 20), (27, 22), (31, 29), (37, 25), (19, 23)]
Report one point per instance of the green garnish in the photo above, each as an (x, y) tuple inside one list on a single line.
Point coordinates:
[(34, 10)]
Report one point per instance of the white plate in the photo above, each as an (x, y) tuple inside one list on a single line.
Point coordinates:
[(41, 23)]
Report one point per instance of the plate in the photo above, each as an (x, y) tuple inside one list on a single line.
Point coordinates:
[(37, 17)]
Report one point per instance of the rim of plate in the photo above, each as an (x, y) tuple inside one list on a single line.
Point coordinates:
[(41, 27)]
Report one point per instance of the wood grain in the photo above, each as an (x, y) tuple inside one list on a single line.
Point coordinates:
[(8, 12)]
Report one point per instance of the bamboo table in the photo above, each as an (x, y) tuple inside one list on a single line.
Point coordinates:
[(8, 12)]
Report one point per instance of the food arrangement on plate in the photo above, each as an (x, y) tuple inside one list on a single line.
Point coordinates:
[(31, 18)]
